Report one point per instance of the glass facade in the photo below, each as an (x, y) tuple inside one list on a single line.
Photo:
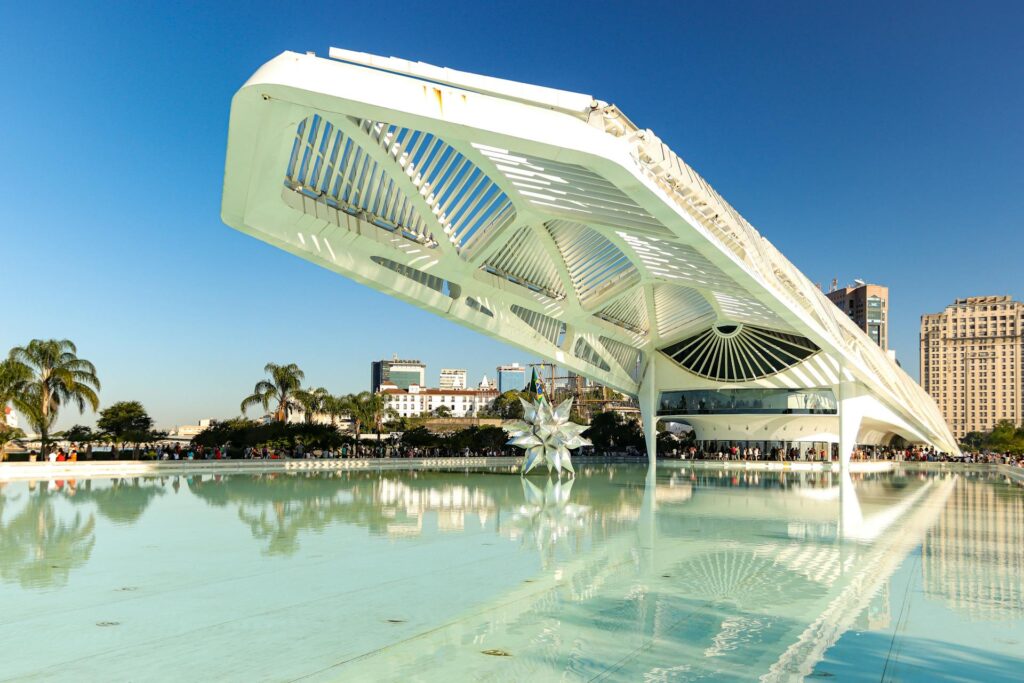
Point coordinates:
[(511, 379), (748, 402), (401, 373)]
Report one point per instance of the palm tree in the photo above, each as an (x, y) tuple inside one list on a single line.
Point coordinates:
[(48, 374), (376, 411), (11, 375), (354, 405), (285, 382), (312, 402), (336, 406), (7, 435)]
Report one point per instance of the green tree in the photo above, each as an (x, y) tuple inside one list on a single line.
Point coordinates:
[(312, 402), (12, 375), (1002, 437), (443, 411), (126, 422), (353, 406), (508, 406), (285, 382), (612, 430), (973, 441), (79, 434), (336, 407), (419, 437), (7, 435), (48, 375), (376, 411)]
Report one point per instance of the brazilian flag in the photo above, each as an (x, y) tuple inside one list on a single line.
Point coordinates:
[(535, 388)]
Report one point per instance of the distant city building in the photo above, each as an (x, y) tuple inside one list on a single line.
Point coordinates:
[(511, 377), (576, 380), (189, 431), (486, 384), (868, 307), (971, 362), (452, 379), (402, 373), (11, 419), (417, 401)]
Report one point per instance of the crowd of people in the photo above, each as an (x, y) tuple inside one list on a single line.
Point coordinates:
[(718, 451), (815, 453)]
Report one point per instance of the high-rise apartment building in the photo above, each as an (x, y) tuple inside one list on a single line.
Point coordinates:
[(401, 373), (971, 362), (868, 307), (452, 379), (511, 377)]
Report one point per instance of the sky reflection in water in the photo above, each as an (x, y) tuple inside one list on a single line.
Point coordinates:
[(614, 575)]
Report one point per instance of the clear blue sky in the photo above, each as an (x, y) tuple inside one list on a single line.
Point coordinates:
[(876, 140)]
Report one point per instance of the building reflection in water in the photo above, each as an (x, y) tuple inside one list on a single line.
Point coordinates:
[(280, 508), (973, 556), (690, 575)]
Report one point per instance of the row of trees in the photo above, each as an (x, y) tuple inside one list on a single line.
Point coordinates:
[(283, 393), (45, 376), (1005, 437)]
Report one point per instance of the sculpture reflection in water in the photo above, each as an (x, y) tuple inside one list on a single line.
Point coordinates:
[(546, 516)]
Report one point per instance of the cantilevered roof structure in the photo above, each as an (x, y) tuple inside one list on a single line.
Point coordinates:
[(548, 220)]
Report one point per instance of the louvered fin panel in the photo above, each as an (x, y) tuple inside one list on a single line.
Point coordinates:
[(747, 310), (674, 262), (625, 355), (426, 279), (740, 353), (466, 202), (570, 190), (628, 311), (595, 265), (328, 166), (679, 309), (586, 352), (550, 328), (522, 260)]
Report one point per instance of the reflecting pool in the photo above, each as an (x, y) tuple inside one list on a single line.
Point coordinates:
[(620, 574)]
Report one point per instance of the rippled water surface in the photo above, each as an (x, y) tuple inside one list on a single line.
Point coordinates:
[(483, 575)]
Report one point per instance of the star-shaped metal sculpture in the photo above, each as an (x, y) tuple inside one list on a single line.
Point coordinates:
[(546, 435)]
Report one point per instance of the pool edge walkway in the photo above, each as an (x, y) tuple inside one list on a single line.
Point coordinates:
[(134, 468)]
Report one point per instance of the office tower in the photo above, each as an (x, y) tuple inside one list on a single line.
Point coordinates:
[(971, 362), (400, 373), (868, 307)]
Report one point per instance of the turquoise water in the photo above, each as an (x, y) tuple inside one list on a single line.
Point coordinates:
[(470, 575)]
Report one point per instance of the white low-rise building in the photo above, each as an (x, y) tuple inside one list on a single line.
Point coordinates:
[(189, 431), (453, 379), (417, 401)]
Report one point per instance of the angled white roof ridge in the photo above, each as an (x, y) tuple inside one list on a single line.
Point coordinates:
[(538, 95)]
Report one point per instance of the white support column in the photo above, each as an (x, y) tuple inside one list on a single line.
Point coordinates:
[(648, 398), (850, 415)]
